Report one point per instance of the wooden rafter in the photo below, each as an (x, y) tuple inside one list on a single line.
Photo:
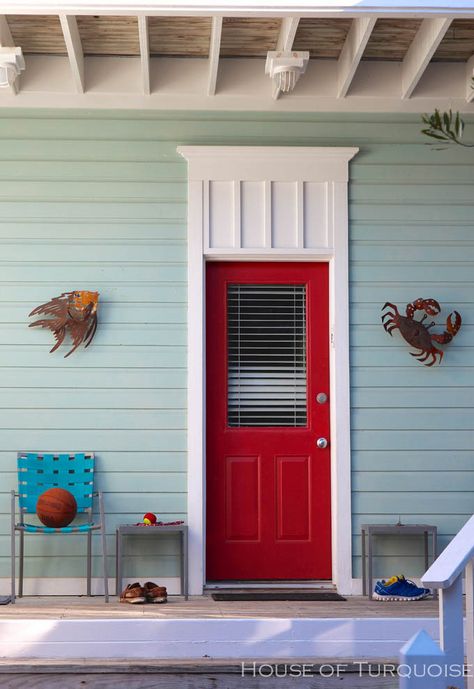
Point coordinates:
[(352, 52), (6, 39), (74, 50), (144, 53), (470, 79), (289, 26), (427, 39), (214, 52)]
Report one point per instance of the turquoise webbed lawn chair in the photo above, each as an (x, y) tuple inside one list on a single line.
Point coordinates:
[(39, 471)]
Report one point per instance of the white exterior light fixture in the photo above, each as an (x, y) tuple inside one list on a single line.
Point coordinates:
[(12, 63), (285, 68)]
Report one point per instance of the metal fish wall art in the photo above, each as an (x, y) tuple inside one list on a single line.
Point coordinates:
[(73, 314)]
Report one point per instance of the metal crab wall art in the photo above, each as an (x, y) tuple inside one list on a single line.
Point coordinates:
[(73, 313), (416, 333)]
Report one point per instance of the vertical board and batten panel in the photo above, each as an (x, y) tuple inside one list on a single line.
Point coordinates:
[(252, 195), (98, 201), (284, 215), (268, 214), (315, 207)]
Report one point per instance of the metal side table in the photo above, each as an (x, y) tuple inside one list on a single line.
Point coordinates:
[(371, 530), (150, 531)]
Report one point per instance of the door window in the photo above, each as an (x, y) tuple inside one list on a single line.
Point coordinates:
[(266, 355)]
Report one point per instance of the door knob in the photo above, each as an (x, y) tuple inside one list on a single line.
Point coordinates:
[(322, 443)]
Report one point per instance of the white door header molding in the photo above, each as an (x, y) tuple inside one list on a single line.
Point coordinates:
[(271, 204), (276, 163), (258, 200)]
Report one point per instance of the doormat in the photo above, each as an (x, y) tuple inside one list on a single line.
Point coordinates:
[(279, 596)]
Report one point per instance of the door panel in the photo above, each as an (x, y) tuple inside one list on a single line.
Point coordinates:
[(293, 499), (242, 491), (268, 485)]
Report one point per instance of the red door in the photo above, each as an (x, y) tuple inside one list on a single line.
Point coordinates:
[(268, 483)]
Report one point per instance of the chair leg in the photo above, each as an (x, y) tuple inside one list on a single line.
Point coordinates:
[(104, 547), (13, 554), (89, 563), (20, 569)]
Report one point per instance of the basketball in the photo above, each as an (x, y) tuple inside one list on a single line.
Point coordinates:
[(56, 507)]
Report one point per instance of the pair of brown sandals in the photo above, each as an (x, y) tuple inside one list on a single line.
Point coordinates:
[(148, 593)]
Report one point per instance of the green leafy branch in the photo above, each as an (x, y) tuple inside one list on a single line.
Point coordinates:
[(445, 126)]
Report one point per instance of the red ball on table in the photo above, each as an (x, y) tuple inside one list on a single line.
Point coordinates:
[(149, 519)]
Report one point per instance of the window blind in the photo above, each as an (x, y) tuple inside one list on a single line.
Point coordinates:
[(266, 340)]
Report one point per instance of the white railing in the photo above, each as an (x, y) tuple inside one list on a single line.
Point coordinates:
[(421, 659)]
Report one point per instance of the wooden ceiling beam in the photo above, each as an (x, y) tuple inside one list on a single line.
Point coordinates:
[(6, 39), (214, 53), (144, 53), (75, 53), (470, 79), (352, 52), (286, 38), (289, 27), (424, 45)]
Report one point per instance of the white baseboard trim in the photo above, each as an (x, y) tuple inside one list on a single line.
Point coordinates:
[(197, 638), (76, 586), (216, 585)]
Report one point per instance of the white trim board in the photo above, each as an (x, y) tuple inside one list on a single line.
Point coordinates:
[(234, 638), (308, 187), (183, 83), (229, 8)]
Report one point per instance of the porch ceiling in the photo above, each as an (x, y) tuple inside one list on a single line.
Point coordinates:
[(241, 36), (185, 58)]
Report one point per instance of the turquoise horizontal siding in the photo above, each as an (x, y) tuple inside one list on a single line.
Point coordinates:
[(411, 235), (97, 200), (120, 228)]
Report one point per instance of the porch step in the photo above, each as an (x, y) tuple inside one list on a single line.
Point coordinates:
[(224, 674), (203, 638)]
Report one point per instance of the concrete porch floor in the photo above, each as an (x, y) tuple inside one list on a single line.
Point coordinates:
[(203, 607)]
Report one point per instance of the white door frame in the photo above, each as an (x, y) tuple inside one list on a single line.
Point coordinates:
[(309, 186)]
